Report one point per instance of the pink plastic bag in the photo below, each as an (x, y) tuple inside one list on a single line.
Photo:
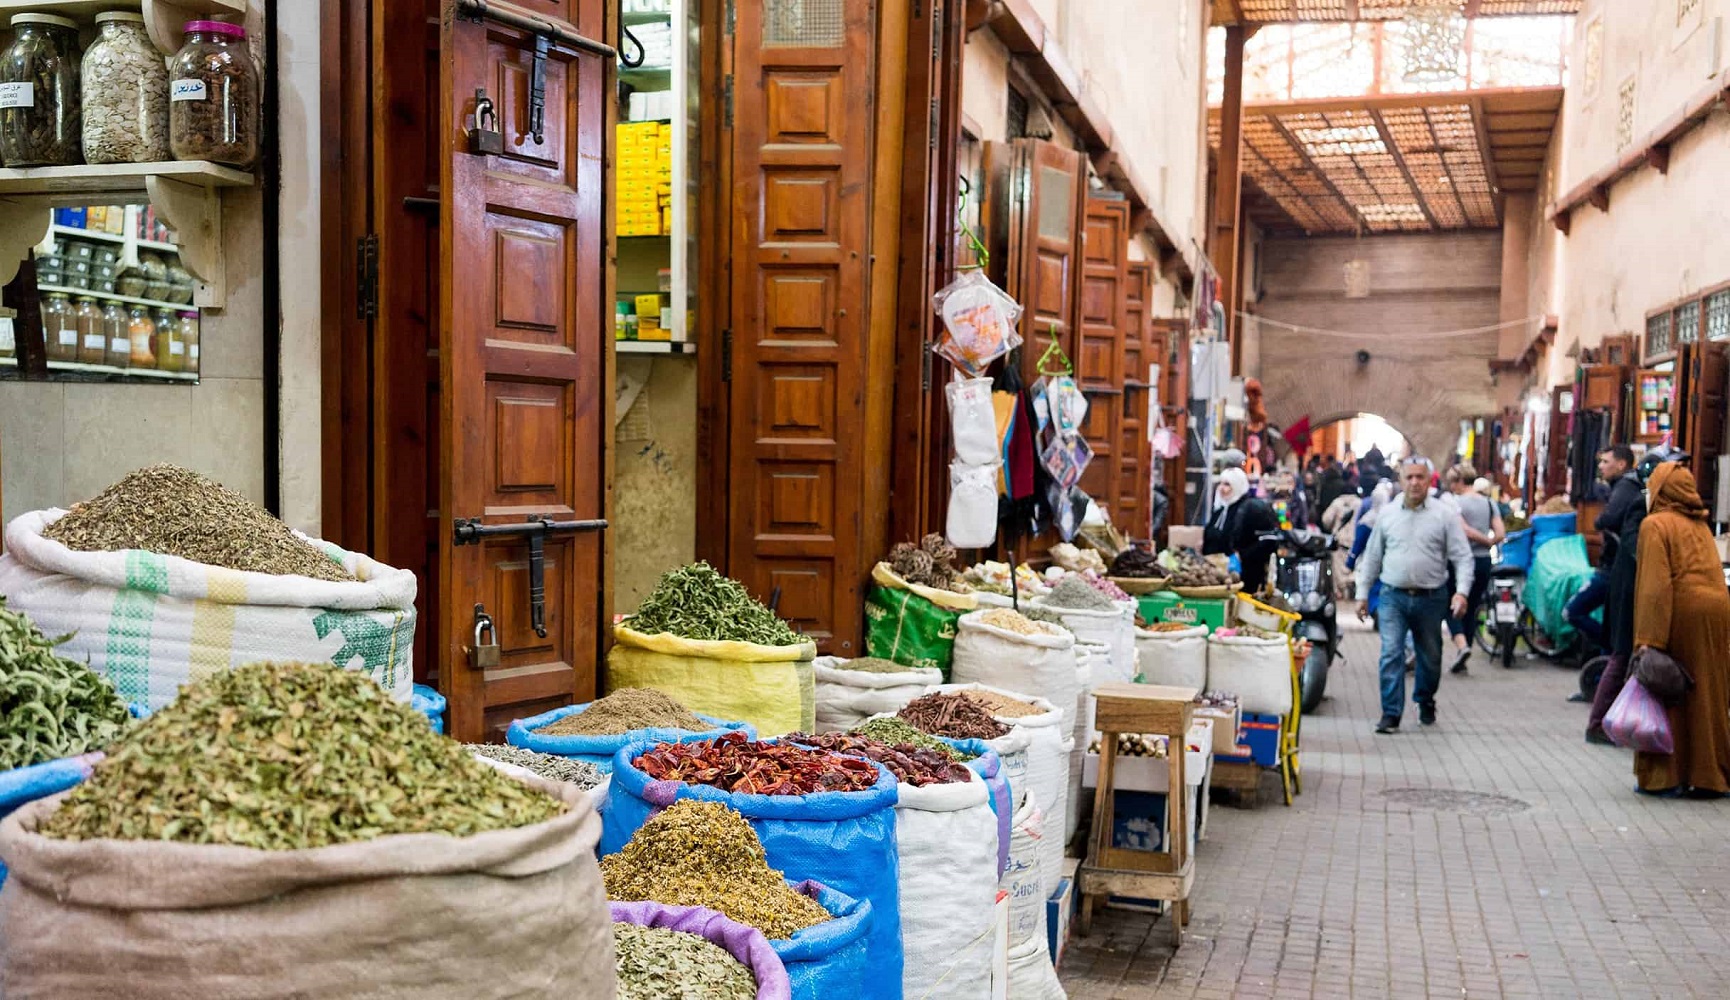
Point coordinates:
[(1638, 721)]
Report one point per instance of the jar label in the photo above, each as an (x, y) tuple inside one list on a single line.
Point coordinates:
[(94, 342), (194, 353), (185, 90), (8, 342), (176, 347), (17, 95), (68, 337), (119, 346)]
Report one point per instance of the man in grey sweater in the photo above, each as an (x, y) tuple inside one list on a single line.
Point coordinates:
[(1409, 551)]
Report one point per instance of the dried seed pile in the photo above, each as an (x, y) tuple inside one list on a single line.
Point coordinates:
[(285, 756), (625, 710), (177, 512), (910, 764), (894, 732), (1076, 593), (550, 766), (1003, 706), (1011, 621), (50, 707), (953, 715), (696, 602), (705, 854), (125, 95), (873, 665), (654, 963), (734, 764)]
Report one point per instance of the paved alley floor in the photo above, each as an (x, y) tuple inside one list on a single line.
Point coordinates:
[(1537, 873)]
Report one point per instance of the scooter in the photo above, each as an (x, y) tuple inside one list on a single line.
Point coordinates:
[(1304, 576), (1504, 612)]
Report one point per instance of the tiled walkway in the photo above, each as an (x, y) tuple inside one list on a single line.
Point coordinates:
[(1362, 888)]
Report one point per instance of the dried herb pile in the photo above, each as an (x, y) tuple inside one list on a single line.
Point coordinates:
[(284, 756), (1136, 563), (1106, 587), (705, 854), (910, 764), (177, 512), (550, 766), (1012, 621), (1048, 616), (654, 963), (734, 764), (696, 602), (894, 732), (953, 715), (931, 563), (1076, 593), (624, 710), (873, 665), (1003, 706), (50, 707)]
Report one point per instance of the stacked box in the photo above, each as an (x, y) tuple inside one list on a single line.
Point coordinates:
[(644, 184)]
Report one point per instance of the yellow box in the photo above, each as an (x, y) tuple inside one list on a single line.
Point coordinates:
[(649, 305), (654, 333)]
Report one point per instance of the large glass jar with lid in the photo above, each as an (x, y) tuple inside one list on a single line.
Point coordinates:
[(188, 329), (170, 352), (142, 329), (213, 96), (87, 315), (125, 89), (59, 328), (117, 326), (39, 93)]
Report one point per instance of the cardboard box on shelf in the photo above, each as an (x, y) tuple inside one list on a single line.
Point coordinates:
[(1059, 915)]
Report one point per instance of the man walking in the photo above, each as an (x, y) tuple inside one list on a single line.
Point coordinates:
[(1414, 542), (1616, 469)]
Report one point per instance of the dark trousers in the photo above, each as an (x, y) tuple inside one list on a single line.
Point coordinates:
[(1419, 616), (1474, 599), (1609, 686), (1580, 608)]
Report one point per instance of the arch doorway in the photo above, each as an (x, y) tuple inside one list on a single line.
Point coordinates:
[(1356, 434)]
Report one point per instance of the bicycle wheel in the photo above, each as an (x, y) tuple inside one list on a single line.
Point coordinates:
[(1486, 632), (1537, 640)]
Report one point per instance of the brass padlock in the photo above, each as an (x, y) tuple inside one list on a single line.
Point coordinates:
[(484, 655), (485, 139)]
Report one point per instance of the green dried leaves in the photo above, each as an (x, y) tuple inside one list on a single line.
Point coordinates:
[(655, 963), (289, 756), (696, 602), (50, 707)]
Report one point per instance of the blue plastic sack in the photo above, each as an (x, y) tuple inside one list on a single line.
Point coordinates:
[(845, 840), (431, 704), (600, 750), (827, 960), (989, 767), (1547, 527), (38, 781)]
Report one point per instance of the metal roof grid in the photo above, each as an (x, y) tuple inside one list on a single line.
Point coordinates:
[(1282, 11)]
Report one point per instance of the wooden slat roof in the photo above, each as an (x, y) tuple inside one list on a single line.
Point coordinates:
[(1285, 11), (1393, 163)]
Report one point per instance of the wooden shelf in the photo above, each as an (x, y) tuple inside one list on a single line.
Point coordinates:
[(164, 19), (79, 293), (73, 232), (648, 78), (79, 366), (654, 347), (116, 178)]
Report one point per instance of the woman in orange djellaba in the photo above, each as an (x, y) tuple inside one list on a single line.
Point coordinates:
[(1682, 608)]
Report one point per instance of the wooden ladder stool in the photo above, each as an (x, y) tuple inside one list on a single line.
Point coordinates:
[(1168, 874)]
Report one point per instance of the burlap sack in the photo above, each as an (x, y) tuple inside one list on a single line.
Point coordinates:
[(510, 913)]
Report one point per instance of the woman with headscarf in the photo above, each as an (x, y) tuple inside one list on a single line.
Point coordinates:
[(1681, 608), (1235, 527)]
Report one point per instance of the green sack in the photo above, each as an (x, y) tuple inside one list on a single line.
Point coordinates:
[(904, 627)]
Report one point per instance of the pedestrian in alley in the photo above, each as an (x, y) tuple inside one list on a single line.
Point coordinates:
[(1681, 608), (1619, 604), (1414, 542), (1616, 469), (1235, 527), (1484, 528)]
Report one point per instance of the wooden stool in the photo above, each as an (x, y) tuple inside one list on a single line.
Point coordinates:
[(1108, 870)]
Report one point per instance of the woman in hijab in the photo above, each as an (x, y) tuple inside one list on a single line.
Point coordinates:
[(1235, 528), (1681, 608)]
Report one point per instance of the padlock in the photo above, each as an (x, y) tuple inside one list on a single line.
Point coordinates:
[(485, 139), (484, 655)]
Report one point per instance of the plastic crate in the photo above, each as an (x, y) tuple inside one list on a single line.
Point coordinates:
[(1517, 548)]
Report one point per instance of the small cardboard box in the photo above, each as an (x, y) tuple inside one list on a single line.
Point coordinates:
[(1059, 915), (1226, 723)]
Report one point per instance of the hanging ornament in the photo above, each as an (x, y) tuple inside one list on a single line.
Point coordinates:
[(1435, 40)]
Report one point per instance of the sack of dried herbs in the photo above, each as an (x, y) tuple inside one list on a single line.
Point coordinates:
[(132, 612), (665, 951), (844, 840), (910, 623), (851, 691), (630, 715)]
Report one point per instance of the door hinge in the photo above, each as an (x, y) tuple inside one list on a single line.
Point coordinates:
[(726, 355), (366, 276), (727, 100), (732, 16), (925, 368), (936, 113)]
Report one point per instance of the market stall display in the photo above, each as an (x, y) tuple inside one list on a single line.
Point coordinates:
[(595, 731), (665, 951), (1137, 571), (50, 706), (851, 691), (271, 821), (1097, 619), (129, 573), (1195, 575)]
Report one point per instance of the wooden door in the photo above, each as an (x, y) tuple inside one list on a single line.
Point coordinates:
[(1035, 202), (1556, 454), (801, 164), (1172, 339), (1134, 451), (1704, 369), (525, 361), (1100, 343)]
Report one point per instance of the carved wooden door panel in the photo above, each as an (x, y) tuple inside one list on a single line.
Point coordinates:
[(800, 225), (1703, 368), (1170, 338), (1099, 362), (524, 349), (1134, 452)]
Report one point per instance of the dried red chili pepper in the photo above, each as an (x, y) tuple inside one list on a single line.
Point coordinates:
[(734, 764), (916, 766)]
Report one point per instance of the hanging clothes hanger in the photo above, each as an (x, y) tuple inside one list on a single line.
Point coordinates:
[(981, 256), (1054, 363)]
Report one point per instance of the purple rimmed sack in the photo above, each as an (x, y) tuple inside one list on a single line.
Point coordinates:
[(845, 840), (38, 781), (600, 750), (747, 944), (1638, 721), (827, 960)]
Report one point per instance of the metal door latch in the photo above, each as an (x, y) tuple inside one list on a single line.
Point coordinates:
[(534, 531), (538, 91), (485, 139)]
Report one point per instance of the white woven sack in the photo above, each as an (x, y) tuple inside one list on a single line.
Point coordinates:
[(1087, 661), (1031, 974), (1178, 659), (151, 623), (946, 838), (845, 698), (1041, 665), (1111, 628), (1024, 879), (1259, 670)]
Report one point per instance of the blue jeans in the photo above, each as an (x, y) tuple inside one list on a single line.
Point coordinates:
[(1416, 619), (1580, 609)]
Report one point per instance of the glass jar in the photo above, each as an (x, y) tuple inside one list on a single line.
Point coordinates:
[(39, 94), (93, 344), (170, 352), (142, 329), (188, 327), (50, 269), (117, 328), (213, 96), (125, 84), (59, 327)]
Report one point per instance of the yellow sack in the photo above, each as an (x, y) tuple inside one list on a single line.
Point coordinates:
[(739, 681)]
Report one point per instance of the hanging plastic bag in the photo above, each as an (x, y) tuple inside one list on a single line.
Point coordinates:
[(1068, 406), (1638, 721), (973, 421), (978, 322), (972, 520)]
